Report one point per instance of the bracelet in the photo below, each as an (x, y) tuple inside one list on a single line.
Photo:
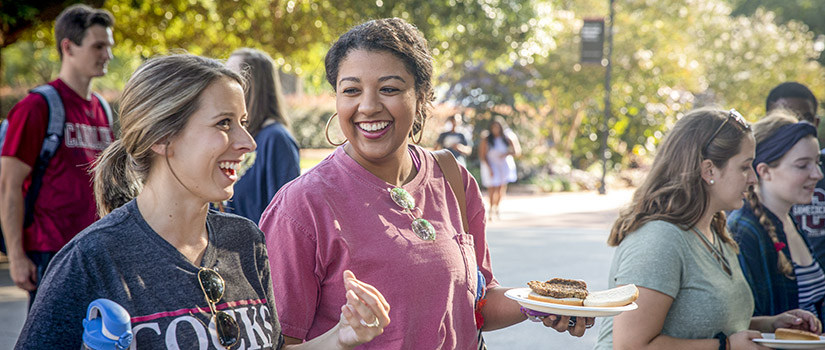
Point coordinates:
[(534, 316), (723, 340)]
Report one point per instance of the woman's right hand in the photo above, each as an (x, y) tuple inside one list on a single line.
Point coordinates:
[(744, 340), (364, 316)]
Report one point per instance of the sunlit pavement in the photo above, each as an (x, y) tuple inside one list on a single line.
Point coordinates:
[(556, 235), (537, 237)]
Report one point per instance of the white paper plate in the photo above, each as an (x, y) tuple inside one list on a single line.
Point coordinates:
[(769, 340), (520, 295)]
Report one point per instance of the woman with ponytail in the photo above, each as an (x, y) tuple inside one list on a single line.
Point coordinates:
[(190, 277), (673, 245), (776, 259)]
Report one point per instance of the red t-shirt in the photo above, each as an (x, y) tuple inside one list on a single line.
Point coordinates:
[(66, 203)]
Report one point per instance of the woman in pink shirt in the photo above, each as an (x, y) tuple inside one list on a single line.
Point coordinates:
[(381, 207)]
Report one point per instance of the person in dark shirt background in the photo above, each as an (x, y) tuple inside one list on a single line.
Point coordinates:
[(455, 141), (276, 161)]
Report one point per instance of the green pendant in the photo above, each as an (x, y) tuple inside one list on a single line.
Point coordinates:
[(403, 198), (423, 229)]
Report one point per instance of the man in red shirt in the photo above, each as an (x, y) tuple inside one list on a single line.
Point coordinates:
[(65, 204)]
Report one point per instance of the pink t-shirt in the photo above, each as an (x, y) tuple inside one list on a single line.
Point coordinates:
[(340, 216)]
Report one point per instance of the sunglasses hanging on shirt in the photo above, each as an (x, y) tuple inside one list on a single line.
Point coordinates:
[(213, 285), (422, 228)]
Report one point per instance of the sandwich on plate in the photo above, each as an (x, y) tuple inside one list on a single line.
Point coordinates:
[(574, 292)]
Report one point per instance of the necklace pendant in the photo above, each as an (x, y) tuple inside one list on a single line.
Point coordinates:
[(403, 198), (423, 229)]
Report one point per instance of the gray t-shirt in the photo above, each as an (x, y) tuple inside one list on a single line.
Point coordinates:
[(121, 258), (662, 257)]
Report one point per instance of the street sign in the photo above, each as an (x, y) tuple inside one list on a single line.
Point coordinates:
[(592, 37)]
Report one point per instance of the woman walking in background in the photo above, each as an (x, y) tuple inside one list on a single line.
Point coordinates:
[(499, 145), (276, 160), (776, 259)]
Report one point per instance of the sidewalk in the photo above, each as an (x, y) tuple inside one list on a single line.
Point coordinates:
[(552, 235), (13, 308), (588, 210)]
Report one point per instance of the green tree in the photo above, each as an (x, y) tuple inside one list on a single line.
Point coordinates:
[(16, 16), (805, 11), (669, 56), (518, 58)]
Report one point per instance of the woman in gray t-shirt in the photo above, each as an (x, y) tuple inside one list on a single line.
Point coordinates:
[(673, 245)]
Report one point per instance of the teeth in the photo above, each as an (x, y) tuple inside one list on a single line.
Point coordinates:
[(374, 126), (229, 165)]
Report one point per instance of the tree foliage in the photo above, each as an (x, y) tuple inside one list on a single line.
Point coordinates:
[(669, 57), (519, 58), (17, 16)]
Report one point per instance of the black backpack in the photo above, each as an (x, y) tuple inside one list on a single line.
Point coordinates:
[(53, 139)]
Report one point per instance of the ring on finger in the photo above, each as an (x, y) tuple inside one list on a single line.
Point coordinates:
[(372, 324), (572, 323)]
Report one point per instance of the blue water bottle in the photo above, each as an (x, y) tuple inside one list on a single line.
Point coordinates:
[(107, 326)]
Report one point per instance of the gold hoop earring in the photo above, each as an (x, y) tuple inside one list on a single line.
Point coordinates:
[(420, 132), (326, 132)]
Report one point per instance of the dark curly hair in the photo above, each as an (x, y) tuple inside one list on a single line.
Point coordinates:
[(396, 36)]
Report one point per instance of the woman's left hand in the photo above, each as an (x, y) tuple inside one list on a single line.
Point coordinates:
[(364, 316), (798, 319)]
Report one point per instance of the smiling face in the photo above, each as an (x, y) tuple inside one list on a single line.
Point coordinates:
[(732, 180), (794, 178), (91, 57), (376, 104), (206, 155)]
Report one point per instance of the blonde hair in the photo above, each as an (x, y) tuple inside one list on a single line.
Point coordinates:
[(155, 105), (673, 190), (264, 98), (762, 130)]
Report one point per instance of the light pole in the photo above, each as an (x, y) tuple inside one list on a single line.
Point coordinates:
[(606, 127)]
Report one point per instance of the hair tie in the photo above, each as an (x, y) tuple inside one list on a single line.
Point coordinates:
[(779, 246)]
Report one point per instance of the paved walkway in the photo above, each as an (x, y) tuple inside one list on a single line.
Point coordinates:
[(537, 237), (555, 235)]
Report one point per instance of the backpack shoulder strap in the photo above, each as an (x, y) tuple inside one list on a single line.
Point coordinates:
[(57, 120), (449, 166), (106, 108), (53, 139), (4, 127)]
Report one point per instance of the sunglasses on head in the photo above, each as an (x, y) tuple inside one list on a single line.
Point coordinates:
[(732, 114), (213, 285)]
